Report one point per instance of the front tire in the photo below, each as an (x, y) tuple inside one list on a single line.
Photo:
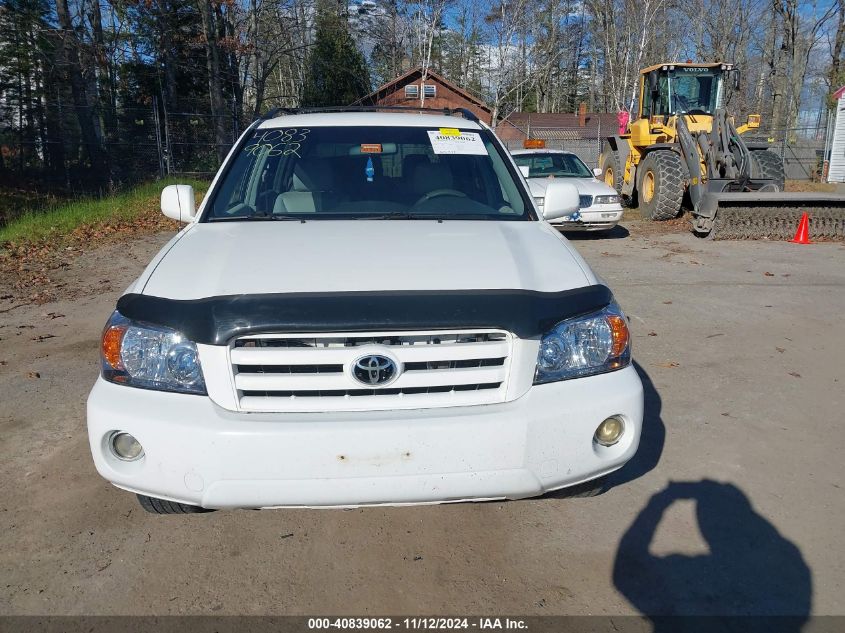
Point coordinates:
[(162, 506), (767, 165), (660, 185), (612, 172)]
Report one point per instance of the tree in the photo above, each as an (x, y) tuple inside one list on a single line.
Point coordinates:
[(835, 76), (337, 72), (23, 78), (210, 27), (83, 104), (801, 28), (507, 61), (427, 27), (388, 28), (623, 32)]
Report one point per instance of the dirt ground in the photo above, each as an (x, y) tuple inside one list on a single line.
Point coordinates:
[(734, 503)]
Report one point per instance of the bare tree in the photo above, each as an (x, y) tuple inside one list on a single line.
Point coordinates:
[(506, 60), (427, 24), (622, 30), (800, 28)]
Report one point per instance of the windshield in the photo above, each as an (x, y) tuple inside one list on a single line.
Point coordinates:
[(368, 173), (690, 91), (554, 165)]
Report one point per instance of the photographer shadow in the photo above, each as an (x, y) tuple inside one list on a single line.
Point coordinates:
[(750, 570)]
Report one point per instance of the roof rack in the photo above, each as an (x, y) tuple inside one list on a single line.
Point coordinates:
[(466, 113), (275, 112)]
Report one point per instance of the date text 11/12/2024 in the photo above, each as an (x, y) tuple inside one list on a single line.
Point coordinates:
[(417, 623)]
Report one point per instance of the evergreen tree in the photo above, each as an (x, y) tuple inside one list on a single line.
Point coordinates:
[(25, 61), (338, 74)]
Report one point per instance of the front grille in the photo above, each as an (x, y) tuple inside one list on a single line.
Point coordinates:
[(585, 201), (292, 372)]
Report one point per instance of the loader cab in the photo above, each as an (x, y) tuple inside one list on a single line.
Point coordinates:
[(694, 89)]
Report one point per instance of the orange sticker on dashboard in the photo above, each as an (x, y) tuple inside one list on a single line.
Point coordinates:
[(371, 148)]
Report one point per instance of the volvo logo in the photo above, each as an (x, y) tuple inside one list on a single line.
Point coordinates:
[(374, 370)]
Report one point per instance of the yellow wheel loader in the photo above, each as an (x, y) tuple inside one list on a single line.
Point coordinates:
[(684, 149)]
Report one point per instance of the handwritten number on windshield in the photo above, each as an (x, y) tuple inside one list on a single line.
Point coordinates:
[(279, 142)]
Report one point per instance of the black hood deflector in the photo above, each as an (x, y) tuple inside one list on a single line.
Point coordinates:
[(217, 320)]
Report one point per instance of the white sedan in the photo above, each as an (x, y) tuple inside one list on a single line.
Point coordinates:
[(601, 207)]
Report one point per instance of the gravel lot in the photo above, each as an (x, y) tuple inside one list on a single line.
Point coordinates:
[(734, 503)]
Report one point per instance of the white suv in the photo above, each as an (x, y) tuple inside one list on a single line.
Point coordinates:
[(365, 309)]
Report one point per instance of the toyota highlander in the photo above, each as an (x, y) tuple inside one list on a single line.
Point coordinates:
[(366, 308)]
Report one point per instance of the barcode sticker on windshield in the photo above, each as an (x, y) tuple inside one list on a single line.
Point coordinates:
[(464, 143)]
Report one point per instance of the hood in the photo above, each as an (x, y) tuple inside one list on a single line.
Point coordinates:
[(586, 186), (235, 258)]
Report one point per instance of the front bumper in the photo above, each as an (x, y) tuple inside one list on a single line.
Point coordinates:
[(198, 453), (595, 218)]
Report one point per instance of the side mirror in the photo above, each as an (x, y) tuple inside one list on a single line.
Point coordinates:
[(736, 76), (597, 172), (177, 202), (525, 170), (561, 199)]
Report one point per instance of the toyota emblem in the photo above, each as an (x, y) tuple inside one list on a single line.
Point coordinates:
[(374, 370)]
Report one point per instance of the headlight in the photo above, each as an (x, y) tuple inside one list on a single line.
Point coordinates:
[(593, 344), (606, 199), (149, 357), (540, 202)]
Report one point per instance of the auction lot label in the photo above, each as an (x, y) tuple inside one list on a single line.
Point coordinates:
[(377, 623), (463, 143)]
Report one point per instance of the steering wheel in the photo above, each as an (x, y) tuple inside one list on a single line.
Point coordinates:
[(436, 193), (695, 111)]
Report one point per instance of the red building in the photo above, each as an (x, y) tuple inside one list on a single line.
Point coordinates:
[(436, 91)]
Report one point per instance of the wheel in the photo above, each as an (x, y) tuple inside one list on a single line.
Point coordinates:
[(161, 506), (591, 488), (612, 171), (768, 165), (660, 185)]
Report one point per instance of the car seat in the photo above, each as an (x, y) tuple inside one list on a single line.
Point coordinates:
[(311, 189)]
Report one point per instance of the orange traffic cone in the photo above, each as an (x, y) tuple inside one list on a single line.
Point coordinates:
[(802, 235)]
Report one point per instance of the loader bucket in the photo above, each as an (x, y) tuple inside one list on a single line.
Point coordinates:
[(754, 215)]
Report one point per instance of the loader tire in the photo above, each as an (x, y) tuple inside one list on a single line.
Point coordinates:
[(660, 185), (768, 165), (612, 173)]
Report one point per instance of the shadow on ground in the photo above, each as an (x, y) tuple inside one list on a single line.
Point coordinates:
[(750, 569), (616, 233), (652, 439)]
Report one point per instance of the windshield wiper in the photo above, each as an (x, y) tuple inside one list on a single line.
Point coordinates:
[(260, 217), (438, 217), (393, 215)]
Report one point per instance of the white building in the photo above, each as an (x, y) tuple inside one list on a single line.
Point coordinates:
[(836, 167)]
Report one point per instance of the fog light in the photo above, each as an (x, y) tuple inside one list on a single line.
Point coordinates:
[(610, 431), (125, 447)]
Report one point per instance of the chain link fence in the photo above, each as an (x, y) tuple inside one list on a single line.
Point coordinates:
[(133, 144), (802, 149), (584, 142), (47, 152)]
